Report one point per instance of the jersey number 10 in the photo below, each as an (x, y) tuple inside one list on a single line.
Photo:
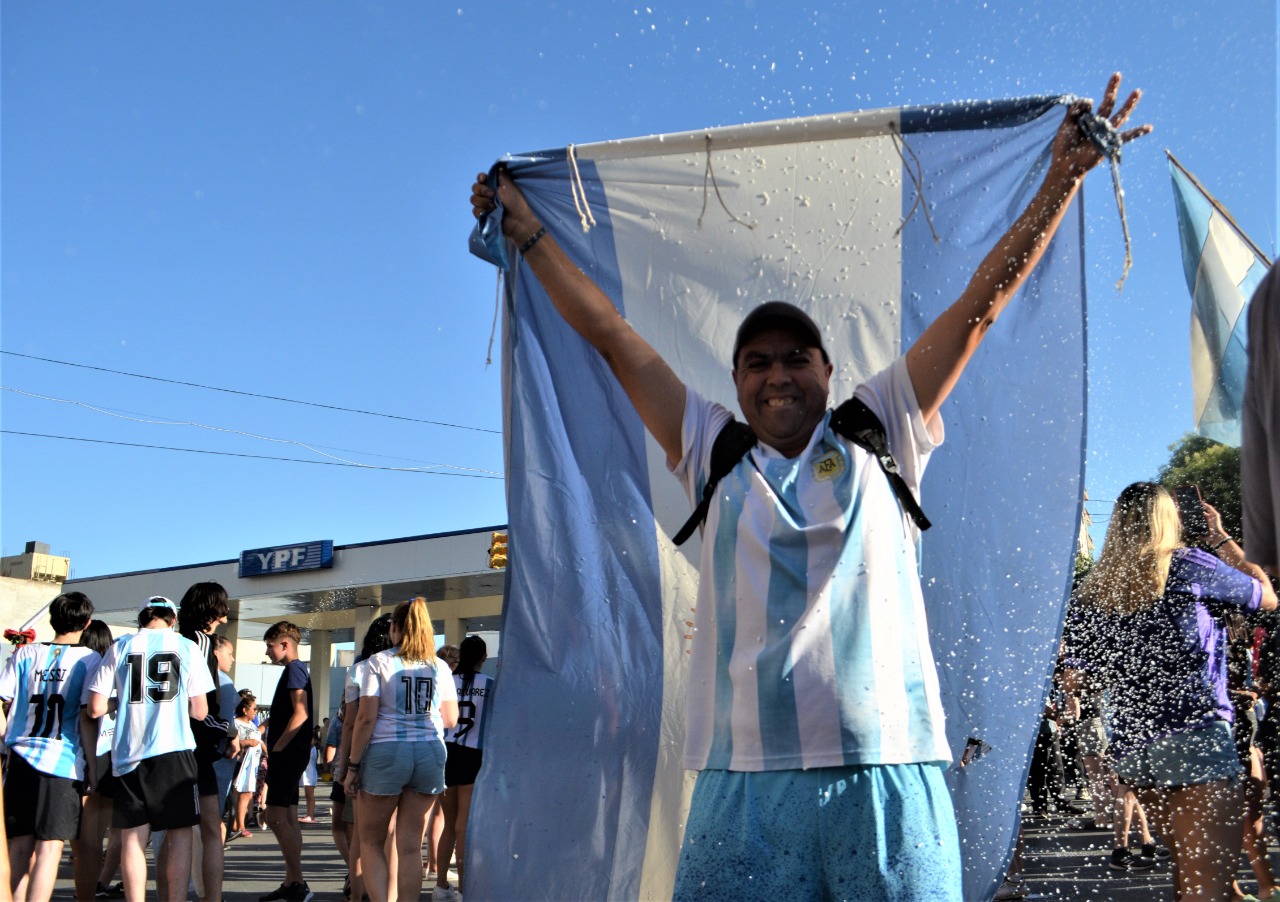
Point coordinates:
[(417, 694)]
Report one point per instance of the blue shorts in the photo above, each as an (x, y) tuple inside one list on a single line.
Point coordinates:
[(388, 768), (865, 832), (1203, 755)]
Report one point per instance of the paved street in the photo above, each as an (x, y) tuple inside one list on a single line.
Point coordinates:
[(253, 867), (1069, 865)]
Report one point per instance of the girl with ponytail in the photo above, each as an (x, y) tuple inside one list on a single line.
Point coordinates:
[(397, 755)]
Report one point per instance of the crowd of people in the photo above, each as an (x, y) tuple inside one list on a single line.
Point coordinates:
[(807, 530), (113, 745), (1164, 711)]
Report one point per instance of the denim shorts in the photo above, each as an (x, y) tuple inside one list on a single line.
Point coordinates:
[(865, 832), (1092, 737), (1203, 755), (387, 768)]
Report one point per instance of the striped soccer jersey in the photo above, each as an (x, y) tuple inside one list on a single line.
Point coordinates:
[(47, 685), (409, 696), (153, 673), (472, 701), (811, 647)]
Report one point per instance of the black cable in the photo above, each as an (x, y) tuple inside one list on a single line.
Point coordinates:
[(295, 460), (249, 394)]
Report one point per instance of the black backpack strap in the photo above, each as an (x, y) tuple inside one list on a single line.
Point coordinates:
[(731, 445), (859, 424)]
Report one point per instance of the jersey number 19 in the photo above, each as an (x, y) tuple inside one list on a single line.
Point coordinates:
[(162, 674)]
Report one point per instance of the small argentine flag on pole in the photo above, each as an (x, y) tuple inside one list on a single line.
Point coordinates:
[(1223, 268)]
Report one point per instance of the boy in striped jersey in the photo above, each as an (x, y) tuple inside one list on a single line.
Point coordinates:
[(43, 687), (814, 715), (160, 680)]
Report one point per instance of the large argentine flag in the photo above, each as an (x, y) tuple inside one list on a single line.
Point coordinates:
[(582, 795), (1223, 268)]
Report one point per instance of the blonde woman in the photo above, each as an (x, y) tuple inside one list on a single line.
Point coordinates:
[(1147, 624), (397, 753)]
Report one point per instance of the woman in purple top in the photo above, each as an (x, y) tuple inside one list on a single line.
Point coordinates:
[(1148, 626)]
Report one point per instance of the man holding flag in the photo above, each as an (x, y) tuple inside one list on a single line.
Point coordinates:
[(814, 716)]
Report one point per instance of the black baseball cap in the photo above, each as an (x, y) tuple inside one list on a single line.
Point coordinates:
[(778, 315)]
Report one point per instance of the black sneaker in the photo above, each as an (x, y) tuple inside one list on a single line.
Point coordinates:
[(300, 892), (1125, 860), (1153, 851), (103, 892), (279, 894)]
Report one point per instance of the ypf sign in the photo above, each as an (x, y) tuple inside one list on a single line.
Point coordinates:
[(286, 558)]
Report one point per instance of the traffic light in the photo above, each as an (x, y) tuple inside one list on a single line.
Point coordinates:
[(498, 551)]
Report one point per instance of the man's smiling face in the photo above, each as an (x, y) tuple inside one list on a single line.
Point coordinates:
[(783, 386)]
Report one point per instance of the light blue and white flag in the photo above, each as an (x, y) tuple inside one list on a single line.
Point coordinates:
[(582, 795), (1223, 268)]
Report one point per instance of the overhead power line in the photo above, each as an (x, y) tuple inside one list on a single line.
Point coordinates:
[(292, 460), (250, 394), (152, 421)]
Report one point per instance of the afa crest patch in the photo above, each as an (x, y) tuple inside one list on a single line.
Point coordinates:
[(828, 466)]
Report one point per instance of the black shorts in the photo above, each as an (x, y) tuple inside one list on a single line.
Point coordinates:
[(106, 779), (160, 791), (39, 804), (286, 770), (462, 765)]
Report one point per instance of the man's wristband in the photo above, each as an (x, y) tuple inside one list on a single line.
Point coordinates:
[(528, 245), (353, 765), (1221, 543)]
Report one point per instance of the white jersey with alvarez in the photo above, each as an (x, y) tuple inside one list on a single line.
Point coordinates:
[(811, 647), (472, 700)]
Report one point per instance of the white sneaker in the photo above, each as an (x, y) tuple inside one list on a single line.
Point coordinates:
[(445, 894)]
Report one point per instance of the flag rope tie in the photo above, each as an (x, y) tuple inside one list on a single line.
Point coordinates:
[(493, 329), (1106, 137), (916, 173), (576, 188), (710, 173)]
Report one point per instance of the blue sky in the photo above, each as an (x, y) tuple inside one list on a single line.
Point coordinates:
[(272, 199)]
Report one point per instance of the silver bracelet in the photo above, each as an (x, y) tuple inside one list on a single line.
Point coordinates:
[(1220, 544)]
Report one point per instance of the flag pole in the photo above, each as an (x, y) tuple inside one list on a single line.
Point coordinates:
[(1220, 208)]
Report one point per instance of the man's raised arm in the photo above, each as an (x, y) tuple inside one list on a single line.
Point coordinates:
[(654, 389), (941, 353)]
